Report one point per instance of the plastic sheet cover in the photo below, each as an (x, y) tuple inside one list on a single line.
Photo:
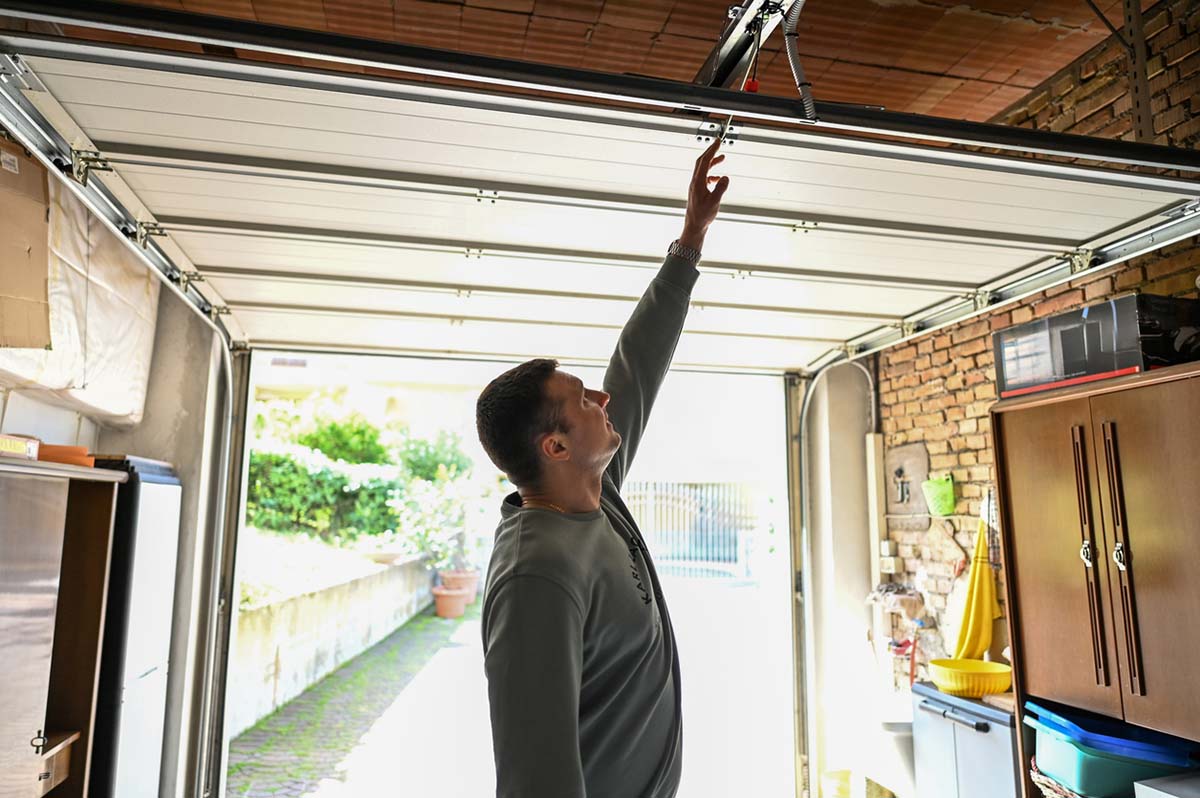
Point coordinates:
[(103, 309)]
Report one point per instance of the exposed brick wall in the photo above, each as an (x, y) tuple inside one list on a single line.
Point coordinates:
[(938, 388)]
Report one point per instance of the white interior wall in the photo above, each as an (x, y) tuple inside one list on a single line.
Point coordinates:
[(23, 414), (181, 425), (849, 702)]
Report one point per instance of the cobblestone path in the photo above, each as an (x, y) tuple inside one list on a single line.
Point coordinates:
[(342, 731)]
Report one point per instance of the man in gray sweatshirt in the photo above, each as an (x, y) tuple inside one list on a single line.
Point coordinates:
[(580, 654)]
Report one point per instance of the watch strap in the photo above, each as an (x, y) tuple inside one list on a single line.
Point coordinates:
[(690, 254)]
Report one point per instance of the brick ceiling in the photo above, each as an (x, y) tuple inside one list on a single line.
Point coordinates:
[(949, 58)]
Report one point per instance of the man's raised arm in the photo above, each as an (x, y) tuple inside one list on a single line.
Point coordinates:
[(647, 343)]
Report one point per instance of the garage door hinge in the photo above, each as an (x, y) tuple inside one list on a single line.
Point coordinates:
[(909, 328), (982, 299), (473, 252), (187, 278), (804, 227), (84, 162), (220, 310), (484, 195), (14, 71), (147, 229), (728, 133), (1081, 260)]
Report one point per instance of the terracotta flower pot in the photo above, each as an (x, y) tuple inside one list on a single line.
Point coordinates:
[(450, 602), (464, 579)]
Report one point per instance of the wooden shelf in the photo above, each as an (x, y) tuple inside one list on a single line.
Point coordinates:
[(58, 741), (40, 468)]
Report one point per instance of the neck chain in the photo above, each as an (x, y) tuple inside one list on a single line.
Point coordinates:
[(544, 505)]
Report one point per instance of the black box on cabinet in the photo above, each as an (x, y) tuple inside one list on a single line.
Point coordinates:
[(1125, 335)]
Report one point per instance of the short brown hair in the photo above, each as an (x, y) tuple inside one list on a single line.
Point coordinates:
[(512, 412)]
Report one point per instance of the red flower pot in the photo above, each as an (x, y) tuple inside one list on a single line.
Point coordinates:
[(450, 602), (468, 580)]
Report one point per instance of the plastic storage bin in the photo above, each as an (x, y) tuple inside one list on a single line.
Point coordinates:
[(1113, 737), (1088, 771)]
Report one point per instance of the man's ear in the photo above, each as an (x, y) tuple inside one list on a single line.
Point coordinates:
[(554, 447)]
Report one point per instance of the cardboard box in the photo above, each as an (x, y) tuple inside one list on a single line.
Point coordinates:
[(19, 446), (1184, 785), (24, 250)]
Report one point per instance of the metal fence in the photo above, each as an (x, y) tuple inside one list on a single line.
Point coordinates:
[(695, 529)]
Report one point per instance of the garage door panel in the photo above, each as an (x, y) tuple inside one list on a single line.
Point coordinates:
[(803, 191), (315, 329), (518, 223), (562, 310), (383, 263), (343, 208), (400, 125)]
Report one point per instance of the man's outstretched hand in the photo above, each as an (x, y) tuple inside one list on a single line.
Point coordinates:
[(703, 202)]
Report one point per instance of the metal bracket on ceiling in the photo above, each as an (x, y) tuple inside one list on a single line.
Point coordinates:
[(13, 70), (1081, 260), (239, 346), (982, 299), (187, 278), (487, 195), (728, 132), (84, 162), (1186, 209), (145, 230), (909, 328), (220, 310)]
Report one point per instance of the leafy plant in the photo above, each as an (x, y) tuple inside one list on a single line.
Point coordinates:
[(425, 458), (317, 497), (286, 495), (352, 439), (431, 517)]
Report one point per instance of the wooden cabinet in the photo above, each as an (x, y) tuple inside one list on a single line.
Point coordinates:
[(1058, 569), (1101, 518), (1148, 441), (55, 538)]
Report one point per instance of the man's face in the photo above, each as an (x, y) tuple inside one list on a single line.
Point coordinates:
[(591, 436)]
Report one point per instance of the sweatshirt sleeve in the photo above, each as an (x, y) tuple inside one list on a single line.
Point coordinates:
[(533, 656), (643, 355)]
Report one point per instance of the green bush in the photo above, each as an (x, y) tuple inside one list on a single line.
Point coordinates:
[(288, 495), (423, 457), (341, 483), (353, 440)]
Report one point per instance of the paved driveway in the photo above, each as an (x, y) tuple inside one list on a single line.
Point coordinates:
[(409, 716)]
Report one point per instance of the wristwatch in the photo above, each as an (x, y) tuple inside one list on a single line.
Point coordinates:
[(690, 254)]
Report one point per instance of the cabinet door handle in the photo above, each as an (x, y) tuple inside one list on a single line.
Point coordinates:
[(981, 726), (1118, 556), (1121, 557), (1084, 499)]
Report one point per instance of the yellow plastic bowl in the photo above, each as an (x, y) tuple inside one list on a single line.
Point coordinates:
[(970, 678)]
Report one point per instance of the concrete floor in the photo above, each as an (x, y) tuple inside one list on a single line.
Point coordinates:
[(409, 716)]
